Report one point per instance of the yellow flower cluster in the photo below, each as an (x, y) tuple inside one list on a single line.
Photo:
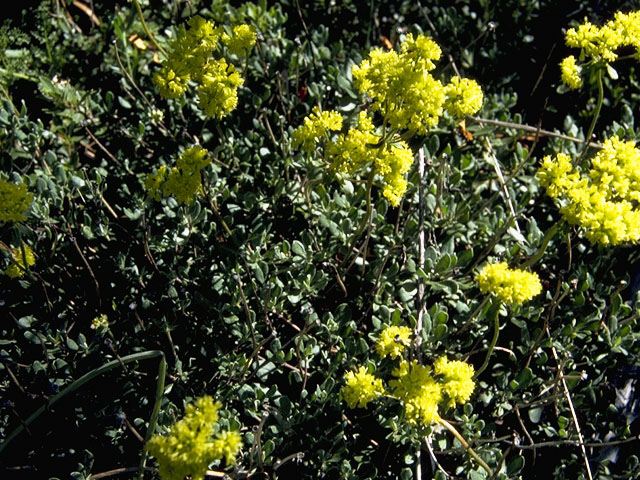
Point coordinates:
[(15, 200), (463, 97), (361, 388), (100, 323), (393, 341), (418, 391), (458, 379), (191, 58), (243, 38), (571, 72), (599, 44), (361, 146), (407, 96), (315, 127), (182, 181), (421, 389), (190, 447), (604, 201), (512, 286), (22, 258), (405, 93)]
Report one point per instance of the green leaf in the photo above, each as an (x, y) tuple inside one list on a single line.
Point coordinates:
[(523, 379), (72, 344), (535, 414), (515, 466), (443, 264), (298, 249), (124, 103)]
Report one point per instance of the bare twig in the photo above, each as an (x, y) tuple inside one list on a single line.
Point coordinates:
[(86, 263), (529, 128), (505, 190), (571, 408)]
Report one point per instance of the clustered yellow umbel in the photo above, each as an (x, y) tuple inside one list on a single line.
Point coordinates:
[(183, 181), (421, 389), (191, 445), (195, 55), (407, 98), (598, 45)]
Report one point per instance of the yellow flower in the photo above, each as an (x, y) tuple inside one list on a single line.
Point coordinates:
[(555, 174), (598, 43), (512, 286), (243, 38), (228, 444), (458, 379), (628, 24), (22, 258), (571, 72), (393, 341), (183, 181), (421, 51), (400, 85), (361, 146), (218, 89), (153, 182), (361, 388), (315, 126), (602, 201), (191, 58), (15, 200), (418, 391), (189, 447), (601, 43), (464, 97), (101, 323)]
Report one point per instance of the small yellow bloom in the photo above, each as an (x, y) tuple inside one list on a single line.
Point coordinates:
[(400, 85), (243, 38), (598, 43), (100, 323), (603, 200), (194, 55), (183, 181), (315, 126), (393, 341), (189, 447), (418, 391), (464, 97), (361, 388), (571, 72), (15, 200), (458, 379), (512, 286)]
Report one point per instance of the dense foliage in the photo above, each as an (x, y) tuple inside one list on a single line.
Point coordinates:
[(280, 283)]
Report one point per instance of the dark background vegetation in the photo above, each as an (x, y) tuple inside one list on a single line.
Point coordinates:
[(76, 123)]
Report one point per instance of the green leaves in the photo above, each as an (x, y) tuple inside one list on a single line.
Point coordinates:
[(259, 293)]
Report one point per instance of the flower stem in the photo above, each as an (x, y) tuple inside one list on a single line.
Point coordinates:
[(146, 29), (464, 443), (543, 246), (365, 219), (494, 309), (596, 114), (153, 421)]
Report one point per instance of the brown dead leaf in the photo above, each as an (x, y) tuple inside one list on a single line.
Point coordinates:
[(464, 132), (386, 42), (138, 42)]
